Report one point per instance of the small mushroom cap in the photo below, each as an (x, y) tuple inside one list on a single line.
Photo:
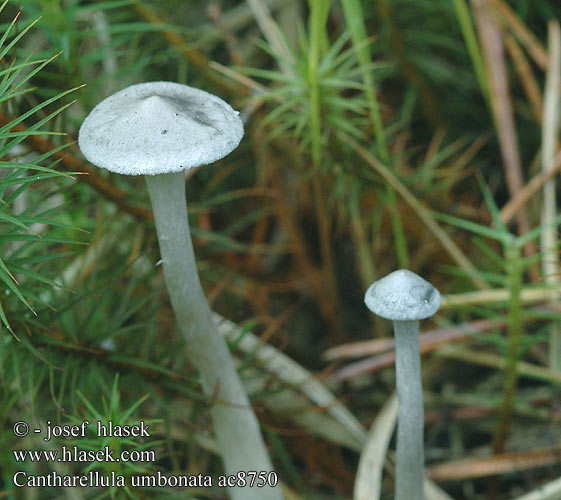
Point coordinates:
[(159, 127), (402, 296)]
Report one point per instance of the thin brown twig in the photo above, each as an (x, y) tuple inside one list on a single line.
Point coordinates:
[(193, 56), (503, 463)]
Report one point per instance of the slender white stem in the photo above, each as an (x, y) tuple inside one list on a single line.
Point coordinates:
[(235, 425), (409, 465)]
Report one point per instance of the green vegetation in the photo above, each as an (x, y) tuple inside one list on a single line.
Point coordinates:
[(378, 135)]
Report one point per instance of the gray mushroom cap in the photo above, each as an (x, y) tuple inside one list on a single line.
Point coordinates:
[(402, 295), (159, 127)]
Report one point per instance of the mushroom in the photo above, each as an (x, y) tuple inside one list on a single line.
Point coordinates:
[(405, 298), (159, 130)]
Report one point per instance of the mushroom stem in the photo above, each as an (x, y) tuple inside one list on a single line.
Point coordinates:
[(409, 472), (235, 425)]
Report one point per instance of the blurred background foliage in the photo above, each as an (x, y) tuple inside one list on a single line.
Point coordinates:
[(379, 134)]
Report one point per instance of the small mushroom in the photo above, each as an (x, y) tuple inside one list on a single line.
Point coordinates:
[(405, 298), (159, 130)]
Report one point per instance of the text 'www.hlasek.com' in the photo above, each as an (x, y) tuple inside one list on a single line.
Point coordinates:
[(105, 455)]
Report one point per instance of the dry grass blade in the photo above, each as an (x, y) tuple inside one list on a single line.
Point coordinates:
[(503, 113), (359, 349), (550, 127), (449, 245), (368, 480), (238, 77), (523, 369), (434, 492), (504, 463), (509, 19), (510, 209), (429, 341), (369, 475), (364, 367), (291, 373), (527, 296), (550, 132), (549, 491), (525, 76), (271, 32)]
